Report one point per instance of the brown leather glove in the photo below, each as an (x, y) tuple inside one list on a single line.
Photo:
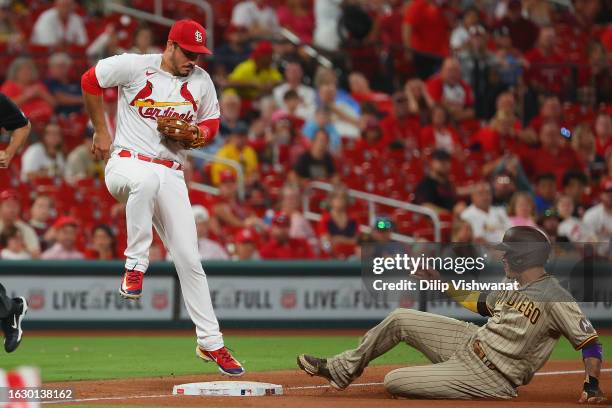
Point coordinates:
[(190, 136)]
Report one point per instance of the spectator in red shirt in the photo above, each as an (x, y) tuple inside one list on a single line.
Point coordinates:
[(603, 132), (553, 155), (547, 71), (280, 245), (523, 32), (551, 111), (440, 134), (426, 33), (297, 17), (361, 92), (499, 137), (30, 94), (372, 139), (419, 101), (103, 244), (448, 89), (401, 125)]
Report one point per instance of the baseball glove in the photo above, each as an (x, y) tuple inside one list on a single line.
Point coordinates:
[(190, 136), (591, 393)]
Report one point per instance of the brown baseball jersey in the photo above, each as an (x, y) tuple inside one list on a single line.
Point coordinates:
[(525, 325)]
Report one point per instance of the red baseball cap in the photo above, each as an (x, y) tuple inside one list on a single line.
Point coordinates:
[(262, 48), (189, 35), (61, 222), (8, 195), (245, 235)]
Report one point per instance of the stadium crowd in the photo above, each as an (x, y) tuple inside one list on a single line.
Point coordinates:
[(491, 113)]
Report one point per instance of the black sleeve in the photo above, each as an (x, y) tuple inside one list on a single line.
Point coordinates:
[(483, 308), (11, 117), (331, 167), (302, 166), (423, 193)]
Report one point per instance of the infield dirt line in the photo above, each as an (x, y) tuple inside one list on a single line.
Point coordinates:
[(310, 387)]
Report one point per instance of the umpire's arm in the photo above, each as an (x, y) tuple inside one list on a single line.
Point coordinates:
[(13, 120)]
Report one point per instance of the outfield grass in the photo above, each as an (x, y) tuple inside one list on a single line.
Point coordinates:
[(84, 358)]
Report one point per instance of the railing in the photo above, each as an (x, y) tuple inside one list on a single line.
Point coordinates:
[(232, 163), (311, 52), (372, 200), (158, 18)]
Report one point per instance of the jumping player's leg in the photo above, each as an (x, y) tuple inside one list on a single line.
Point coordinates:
[(438, 337), (174, 222), (135, 183), (460, 377), (6, 303)]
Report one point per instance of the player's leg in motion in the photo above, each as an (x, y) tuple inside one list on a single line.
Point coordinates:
[(135, 183), (173, 220), (12, 312), (463, 376), (6, 303), (435, 336)]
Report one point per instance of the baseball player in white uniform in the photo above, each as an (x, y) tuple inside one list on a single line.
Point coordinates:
[(145, 168)]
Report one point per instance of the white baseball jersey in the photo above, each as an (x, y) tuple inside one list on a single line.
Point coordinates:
[(146, 92)]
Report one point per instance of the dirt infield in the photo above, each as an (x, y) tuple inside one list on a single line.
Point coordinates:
[(557, 385)]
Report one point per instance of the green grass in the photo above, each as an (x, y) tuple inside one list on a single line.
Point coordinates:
[(84, 358)]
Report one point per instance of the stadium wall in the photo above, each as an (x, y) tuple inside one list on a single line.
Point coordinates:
[(314, 294)]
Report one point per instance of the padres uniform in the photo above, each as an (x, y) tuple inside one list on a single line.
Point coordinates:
[(156, 195), (471, 361)]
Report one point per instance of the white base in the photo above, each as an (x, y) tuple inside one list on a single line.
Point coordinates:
[(228, 389)]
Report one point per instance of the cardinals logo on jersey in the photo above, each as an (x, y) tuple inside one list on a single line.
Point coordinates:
[(149, 108), (188, 96), (143, 94)]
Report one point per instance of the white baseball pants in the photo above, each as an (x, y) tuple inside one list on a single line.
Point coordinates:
[(157, 196)]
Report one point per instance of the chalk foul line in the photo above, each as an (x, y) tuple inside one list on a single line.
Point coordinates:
[(308, 387)]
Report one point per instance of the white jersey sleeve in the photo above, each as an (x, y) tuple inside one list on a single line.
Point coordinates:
[(209, 104), (115, 70)]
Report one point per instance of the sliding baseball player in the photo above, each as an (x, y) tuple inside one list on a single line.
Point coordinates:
[(491, 361)]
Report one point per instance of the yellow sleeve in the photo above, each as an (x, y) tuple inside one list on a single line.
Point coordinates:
[(466, 298), (275, 75), (217, 168)]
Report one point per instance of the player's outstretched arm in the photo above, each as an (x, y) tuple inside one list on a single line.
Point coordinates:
[(18, 138), (592, 356), (472, 300)]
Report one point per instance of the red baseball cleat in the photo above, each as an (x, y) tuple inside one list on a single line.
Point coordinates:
[(131, 285), (228, 365)]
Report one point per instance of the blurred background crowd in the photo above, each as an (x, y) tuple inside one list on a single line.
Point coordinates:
[(490, 113)]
